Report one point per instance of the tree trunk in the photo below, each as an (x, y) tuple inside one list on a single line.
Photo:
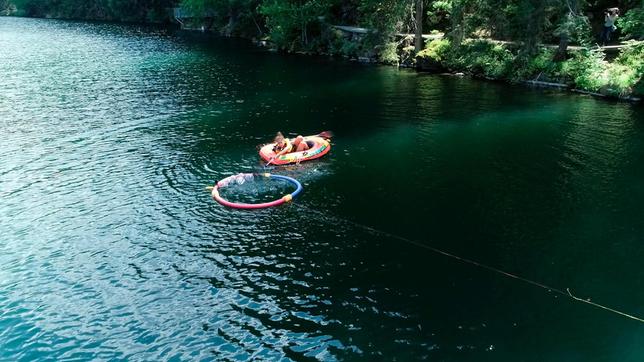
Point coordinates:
[(562, 50), (418, 46), (564, 38), (305, 39), (533, 27)]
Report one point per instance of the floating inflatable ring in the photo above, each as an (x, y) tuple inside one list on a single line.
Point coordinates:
[(238, 205)]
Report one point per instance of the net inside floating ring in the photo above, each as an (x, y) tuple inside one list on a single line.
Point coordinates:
[(249, 178)]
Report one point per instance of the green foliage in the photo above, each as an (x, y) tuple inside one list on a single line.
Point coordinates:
[(292, 24), (590, 71), (337, 44), (438, 13), (229, 17), (628, 72), (541, 62), (575, 27), (304, 25), (7, 7), (201, 7), (120, 10), (407, 55), (632, 24), (350, 49), (436, 50), (477, 57), (632, 55), (480, 57), (587, 69), (539, 66), (434, 56), (386, 17), (35, 8), (388, 54), (527, 22)]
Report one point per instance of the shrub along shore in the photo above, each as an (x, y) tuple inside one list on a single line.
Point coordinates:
[(585, 70), (492, 39)]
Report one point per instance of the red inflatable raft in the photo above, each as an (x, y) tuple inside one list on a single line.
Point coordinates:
[(318, 147)]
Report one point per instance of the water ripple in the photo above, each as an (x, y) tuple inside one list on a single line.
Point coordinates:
[(113, 250)]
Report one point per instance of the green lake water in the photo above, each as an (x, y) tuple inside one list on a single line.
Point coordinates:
[(112, 249)]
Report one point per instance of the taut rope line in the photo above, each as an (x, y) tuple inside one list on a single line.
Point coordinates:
[(567, 293)]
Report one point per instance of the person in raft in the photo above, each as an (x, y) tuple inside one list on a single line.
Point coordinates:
[(610, 16), (299, 145), (282, 145)]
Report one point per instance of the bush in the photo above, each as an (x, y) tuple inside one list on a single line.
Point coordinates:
[(436, 50), (480, 57), (587, 69), (628, 69), (632, 23), (388, 53), (541, 64), (632, 55), (540, 67), (408, 55), (336, 43), (433, 57), (293, 25)]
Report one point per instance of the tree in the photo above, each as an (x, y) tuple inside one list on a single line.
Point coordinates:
[(232, 17), (291, 21), (632, 23), (418, 44), (573, 26), (120, 10)]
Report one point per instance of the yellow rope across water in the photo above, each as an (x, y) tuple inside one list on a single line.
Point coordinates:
[(567, 293)]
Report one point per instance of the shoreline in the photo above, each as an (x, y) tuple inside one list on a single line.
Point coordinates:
[(267, 46), (263, 44)]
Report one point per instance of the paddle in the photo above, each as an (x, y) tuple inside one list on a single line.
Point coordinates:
[(272, 159), (279, 153), (325, 134)]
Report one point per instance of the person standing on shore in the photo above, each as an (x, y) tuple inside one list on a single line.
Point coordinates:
[(610, 16)]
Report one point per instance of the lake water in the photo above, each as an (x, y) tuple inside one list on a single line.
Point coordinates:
[(111, 247)]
